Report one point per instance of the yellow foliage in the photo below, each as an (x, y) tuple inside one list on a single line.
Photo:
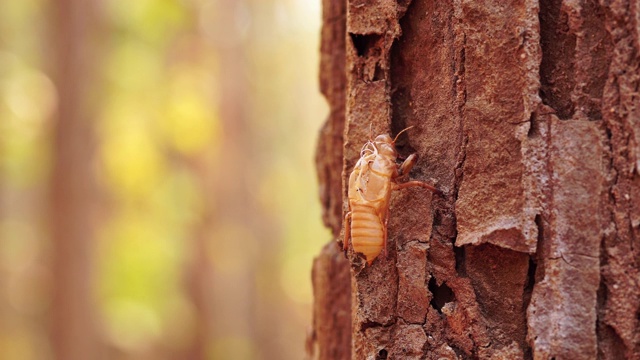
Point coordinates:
[(132, 161), (131, 325), (190, 124), (27, 100), (159, 128), (139, 290)]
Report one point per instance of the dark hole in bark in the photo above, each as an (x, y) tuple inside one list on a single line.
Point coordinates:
[(441, 294), (378, 74), (460, 255), (382, 354), (368, 325), (531, 280), (540, 243), (528, 353), (437, 219), (602, 290), (608, 133), (533, 126), (540, 227), (558, 53), (365, 43), (528, 291)]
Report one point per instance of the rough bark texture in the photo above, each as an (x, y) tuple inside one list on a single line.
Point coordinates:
[(330, 336), (527, 115)]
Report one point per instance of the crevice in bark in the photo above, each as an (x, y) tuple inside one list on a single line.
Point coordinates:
[(403, 9), (461, 354), (592, 71), (612, 340), (542, 220), (539, 249), (378, 73), (528, 289), (372, 324), (459, 85), (531, 280), (442, 294), (459, 170), (528, 353), (400, 100), (534, 131), (367, 45), (610, 344), (612, 170), (437, 219), (460, 255), (558, 45)]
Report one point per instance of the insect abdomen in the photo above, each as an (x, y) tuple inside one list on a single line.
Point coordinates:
[(366, 231)]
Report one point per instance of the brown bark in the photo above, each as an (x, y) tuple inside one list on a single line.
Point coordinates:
[(526, 115), (73, 193), (330, 337)]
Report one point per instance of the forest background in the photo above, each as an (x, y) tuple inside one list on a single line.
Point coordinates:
[(157, 192)]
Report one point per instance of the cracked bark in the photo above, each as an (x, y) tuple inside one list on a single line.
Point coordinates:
[(526, 115)]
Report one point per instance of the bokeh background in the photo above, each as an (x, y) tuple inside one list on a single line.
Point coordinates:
[(158, 198)]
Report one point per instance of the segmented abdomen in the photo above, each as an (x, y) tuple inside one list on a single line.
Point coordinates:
[(367, 234)]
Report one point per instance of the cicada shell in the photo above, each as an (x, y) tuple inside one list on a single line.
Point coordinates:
[(373, 178)]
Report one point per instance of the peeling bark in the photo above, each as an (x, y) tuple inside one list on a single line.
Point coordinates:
[(562, 314), (526, 115)]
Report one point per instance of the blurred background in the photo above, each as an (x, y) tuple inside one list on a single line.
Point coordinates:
[(158, 198)]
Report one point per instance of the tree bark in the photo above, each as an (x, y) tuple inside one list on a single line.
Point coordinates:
[(527, 116)]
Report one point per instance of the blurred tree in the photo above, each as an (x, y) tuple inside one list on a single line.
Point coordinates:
[(235, 218), (206, 225), (76, 28), (526, 115)]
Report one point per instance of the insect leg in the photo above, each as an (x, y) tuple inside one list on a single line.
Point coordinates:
[(407, 165), (417, 183), (403, 172), (347, 231)]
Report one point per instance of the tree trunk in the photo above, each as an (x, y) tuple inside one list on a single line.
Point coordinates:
[(527, 116), (76, 41)]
